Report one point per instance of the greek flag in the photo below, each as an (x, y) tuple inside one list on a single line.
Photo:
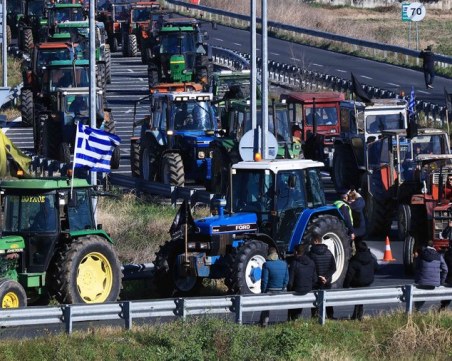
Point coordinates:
[(412, 103), (94, 148)]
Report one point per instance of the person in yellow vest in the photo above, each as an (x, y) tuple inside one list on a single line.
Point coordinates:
[(344, 208)]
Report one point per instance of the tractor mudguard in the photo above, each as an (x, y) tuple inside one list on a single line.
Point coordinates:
[(87, 232)]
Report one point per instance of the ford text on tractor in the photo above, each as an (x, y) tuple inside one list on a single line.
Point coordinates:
[(279, 203), (409, 175), (51, 246), (174, 142)]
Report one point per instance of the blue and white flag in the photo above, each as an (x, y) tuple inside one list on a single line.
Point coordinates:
[(412, 103), (94, 148)]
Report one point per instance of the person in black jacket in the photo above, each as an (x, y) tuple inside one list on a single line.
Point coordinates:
[(325, 266), (302, 277), (428, 65), (361, 270)]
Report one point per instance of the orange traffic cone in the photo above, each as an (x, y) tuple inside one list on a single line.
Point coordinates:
[(388, 254)]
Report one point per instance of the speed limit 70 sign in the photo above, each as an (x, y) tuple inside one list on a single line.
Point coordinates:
[(413, 11)]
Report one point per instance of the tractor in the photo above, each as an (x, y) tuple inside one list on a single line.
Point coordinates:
[(235, 122), (362, 124), (41, 55), (316, 115), (173, 144), (51, 246), (138, 20), (409, 175), (59, 13), (30, 23), (272, 203), (114, 20), (181, 54), (55, 129)]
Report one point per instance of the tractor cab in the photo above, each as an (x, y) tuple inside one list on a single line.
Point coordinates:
[(64, 74), (59, 13)]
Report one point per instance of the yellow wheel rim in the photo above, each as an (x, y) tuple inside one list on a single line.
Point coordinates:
[(94, 278), (10, 300)]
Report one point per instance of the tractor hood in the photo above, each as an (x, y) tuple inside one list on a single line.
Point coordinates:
[(235, 223)]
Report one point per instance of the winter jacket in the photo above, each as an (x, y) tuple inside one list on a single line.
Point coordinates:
[(361, 270), (302, 275), (275, 276), (428, 59), (346, 213), (325, 264), (430, 268), (448, 260), (359, 221)]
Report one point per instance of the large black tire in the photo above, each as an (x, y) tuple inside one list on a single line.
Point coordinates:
[(100, 77), (110, 127), (220, 171), (334, 235), (27, 41), (167, 281), (132, 47), (403, 221), (246, 268), (26, 107), (65, 153), (408, 255), (345, 173), (50, 140), (135, 159), (148, 166), (12, 294), (173, 170), (153, 75), (87, 270), (379, 214), (114, 44), (107, 64)]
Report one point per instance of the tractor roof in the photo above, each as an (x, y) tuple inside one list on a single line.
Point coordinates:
[(245, 104), (232, 74), (43, 183), (74, 24), (175, 29), (376, 103), (180, 21), (58, 37), (421, 131), (54, 45), (277, 165), (70, 6), (176, 87), (321, 97)]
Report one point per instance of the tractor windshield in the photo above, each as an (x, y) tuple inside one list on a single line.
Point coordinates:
[(378, 123), (281, 124), (48, 55), (193, 115), (79, 211), (67, 14), (64, 78), (252, 191), (77, 104), (323, 116), (30, 213), (139, 15), (119, 12), (35, 8), (177, 43)]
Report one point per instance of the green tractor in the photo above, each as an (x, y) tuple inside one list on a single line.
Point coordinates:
[(30, 23), (236, 121), (51, 246)]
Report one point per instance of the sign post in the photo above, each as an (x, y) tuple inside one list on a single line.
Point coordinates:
[(413, 12)]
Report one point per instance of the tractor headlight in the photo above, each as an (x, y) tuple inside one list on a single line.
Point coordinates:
[(191, 245), (203, 245), (211, 154), (201, 155)]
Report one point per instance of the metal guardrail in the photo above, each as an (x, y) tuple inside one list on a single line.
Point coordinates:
[(193, 195), (230, 59), (127, 311)]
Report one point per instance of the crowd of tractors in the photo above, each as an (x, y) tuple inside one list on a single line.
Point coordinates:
[(199, 130)]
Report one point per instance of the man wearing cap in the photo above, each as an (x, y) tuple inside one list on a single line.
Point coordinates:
[(275, 275)]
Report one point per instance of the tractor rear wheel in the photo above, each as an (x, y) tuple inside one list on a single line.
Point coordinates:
[(148, 167), (114, 44), (110, 127), (107, 64), (132, 47), (153, 75), (50, 140), (27, 42), (26, 107), (173, 169), (379, 215), (65, 153), (403, 221), (12, 294), (167, 280), (86, 270), (334, 236), (345, 174), (246, 268), (220, 171)]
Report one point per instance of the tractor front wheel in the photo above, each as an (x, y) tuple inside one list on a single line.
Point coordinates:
[(403, 221), (107, 64), (114, 44), (65, 153), (148, 167), (86, 270), (173, 169), (26, 106), (135, 159), (132, 47), (27, 41), (12, 294), (246, 270), (345, 172), (334, 236), (408, 254), (168, 280)]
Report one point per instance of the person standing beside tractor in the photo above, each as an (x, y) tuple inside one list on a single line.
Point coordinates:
[(357, 204), (346, 212), (275, 275), (428, 65)]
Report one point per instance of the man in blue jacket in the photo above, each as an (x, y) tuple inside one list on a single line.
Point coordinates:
[(275, 275), (430, 270)]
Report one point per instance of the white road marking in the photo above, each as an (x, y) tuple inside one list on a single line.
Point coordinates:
[(315, 64), (274, 53), (238, 44), (218, 39), (366, 77), (341, 71), (397, 85), (130, 70)]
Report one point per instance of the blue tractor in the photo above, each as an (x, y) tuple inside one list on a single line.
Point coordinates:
[(172, 145), (278, 203)]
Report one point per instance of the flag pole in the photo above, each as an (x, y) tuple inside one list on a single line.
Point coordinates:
[(74, 158)]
